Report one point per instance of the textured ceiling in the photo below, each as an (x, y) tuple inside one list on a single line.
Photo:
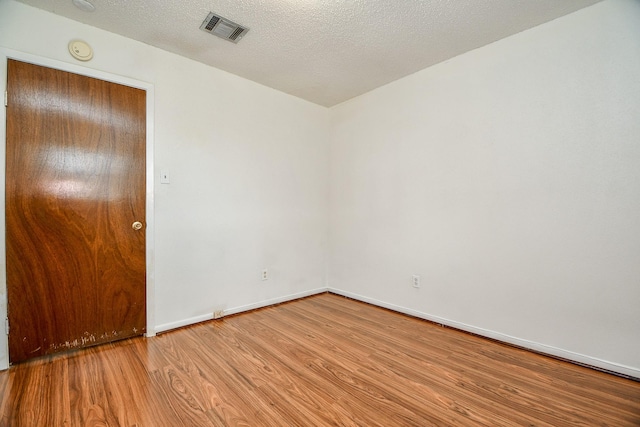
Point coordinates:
[(325, 51)]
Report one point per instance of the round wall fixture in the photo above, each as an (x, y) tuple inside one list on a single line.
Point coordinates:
[(84, 5), (80, 50)]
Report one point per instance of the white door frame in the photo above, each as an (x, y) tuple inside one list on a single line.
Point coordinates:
[(6, 54)]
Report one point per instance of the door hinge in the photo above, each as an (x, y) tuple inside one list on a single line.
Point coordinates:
[(6, 325), (6, 98)]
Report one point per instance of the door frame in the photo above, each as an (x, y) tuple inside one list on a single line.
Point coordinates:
[(6, 54)]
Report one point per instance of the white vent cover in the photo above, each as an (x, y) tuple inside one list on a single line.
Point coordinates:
[(222, 27)]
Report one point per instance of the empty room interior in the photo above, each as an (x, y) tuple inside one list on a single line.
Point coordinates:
[(320, 212)]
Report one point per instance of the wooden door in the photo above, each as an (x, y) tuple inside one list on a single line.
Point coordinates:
[(75, 184)]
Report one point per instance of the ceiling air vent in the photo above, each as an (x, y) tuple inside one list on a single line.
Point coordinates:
[(222, 27)]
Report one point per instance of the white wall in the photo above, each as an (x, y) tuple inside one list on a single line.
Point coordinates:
[(248, 168), (508, 178)]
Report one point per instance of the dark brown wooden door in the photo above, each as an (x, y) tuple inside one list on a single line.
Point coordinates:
[(75, 184)]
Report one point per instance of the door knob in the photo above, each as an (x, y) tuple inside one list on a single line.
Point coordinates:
[(136, 225)]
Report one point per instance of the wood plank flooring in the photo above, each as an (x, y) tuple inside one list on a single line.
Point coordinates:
[(320, 361)]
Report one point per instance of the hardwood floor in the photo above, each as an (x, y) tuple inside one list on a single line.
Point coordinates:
[(321, 361)]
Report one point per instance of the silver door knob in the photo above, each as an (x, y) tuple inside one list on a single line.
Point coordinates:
[(136, 225)]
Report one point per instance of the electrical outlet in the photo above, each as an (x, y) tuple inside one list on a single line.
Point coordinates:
[(217, 314), (265, 274), (415, 281)]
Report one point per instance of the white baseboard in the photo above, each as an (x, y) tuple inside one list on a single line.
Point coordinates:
[(531, 345), (209, 316), (274, 301), (184, 322)]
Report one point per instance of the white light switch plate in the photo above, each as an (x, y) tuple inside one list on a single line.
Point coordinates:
[(164, 177)]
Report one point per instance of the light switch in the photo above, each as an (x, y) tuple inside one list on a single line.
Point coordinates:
[(164, 177)]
